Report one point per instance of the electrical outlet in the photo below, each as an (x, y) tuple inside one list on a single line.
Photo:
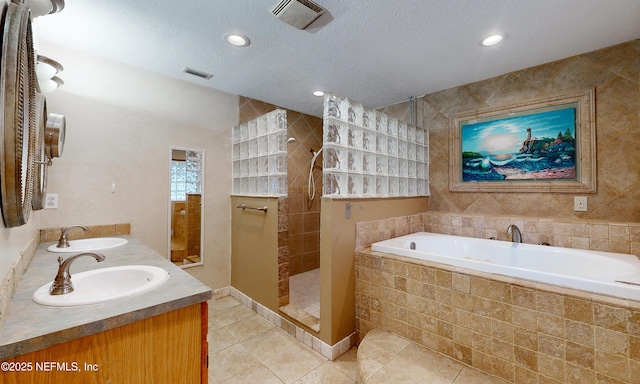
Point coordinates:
[(580, 203), (52, 201)]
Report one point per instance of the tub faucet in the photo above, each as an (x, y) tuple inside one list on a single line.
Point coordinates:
[(62, 282), (63, 242), (514, 231)]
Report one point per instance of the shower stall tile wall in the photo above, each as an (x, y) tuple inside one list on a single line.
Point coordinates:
[(260, 156), (369, 154)]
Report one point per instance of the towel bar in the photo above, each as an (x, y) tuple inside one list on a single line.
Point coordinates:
[(244, 206)]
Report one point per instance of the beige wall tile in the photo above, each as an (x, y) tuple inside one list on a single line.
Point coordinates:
[(524, 297), (634, 348), (611, 342), (580, 333), (616, 109), (615, 366), (526, 358), (525, 338), (599, 231), (634, 372), (578, 309), (549, 303), (552, 346), (461, 283), (580, 355), (525, 318), (610, 317), (577, 374), (552, 367), (550, 324)]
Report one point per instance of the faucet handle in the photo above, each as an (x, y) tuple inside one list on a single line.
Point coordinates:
[(60, 260)]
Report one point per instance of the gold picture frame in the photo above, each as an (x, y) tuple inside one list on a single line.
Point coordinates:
[(496, 150)]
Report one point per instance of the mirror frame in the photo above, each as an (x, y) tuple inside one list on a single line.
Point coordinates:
[(18, 87), (202, 205)]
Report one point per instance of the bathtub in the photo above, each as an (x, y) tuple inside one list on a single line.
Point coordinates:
[(607, 273)]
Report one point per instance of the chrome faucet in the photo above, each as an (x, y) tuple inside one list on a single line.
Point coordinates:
[(62, 282), (63, 242), (514, 231)]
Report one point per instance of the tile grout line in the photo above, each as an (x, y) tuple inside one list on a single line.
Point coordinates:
[(308, 339)]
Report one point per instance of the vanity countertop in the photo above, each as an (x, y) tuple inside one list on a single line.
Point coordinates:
[(30, 326)]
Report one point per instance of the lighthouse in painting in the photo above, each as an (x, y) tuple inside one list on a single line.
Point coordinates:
[(526, 147)]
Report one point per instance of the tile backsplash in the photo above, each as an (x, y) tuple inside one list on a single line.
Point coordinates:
[(53, 234), (596, 235)]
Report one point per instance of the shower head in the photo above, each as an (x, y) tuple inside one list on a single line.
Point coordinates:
[(290, 140)]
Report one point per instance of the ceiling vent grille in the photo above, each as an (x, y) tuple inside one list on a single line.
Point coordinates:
[(298, 13), (195, 72)]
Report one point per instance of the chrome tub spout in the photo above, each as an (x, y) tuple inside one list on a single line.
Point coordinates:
[(514, 231)]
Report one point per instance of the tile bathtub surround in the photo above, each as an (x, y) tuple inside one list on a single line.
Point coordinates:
[(519, 331), (331, 352), (596, 235)]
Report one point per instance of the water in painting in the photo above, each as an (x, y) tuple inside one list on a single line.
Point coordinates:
[(531, 146)]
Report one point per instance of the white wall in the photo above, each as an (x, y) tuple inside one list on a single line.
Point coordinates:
[(121, 122)]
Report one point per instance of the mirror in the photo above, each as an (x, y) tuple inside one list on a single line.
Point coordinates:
[(18, 115), (186, 197)]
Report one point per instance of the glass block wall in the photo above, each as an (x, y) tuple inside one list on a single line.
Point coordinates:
[(186, 175), (260, 156), (369, 154)]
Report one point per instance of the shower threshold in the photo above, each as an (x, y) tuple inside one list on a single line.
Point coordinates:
[(300, 315)]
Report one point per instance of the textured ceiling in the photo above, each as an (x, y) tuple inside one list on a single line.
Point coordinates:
[(377, 52)]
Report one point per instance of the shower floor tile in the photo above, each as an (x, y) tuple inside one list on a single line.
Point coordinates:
[(304, 291)]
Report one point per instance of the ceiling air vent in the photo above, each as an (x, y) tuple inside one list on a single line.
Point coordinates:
[(298, 13), (195, 72)]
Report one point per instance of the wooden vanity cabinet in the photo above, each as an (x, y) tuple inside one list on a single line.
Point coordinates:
[(168, 348)]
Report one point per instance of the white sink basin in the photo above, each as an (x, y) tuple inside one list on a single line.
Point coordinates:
[(93, 244), (106, 284)]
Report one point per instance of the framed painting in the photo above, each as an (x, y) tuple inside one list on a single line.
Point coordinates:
[(538, 146)]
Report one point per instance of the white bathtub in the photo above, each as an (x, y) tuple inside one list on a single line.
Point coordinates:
[(613, 274)]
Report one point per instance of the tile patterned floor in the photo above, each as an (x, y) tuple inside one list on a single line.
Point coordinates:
[(386, 358), (304, 291), (246, 348)]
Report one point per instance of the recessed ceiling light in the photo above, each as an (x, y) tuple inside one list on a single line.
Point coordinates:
[(492, 40), (318, 93), (237, 40)]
